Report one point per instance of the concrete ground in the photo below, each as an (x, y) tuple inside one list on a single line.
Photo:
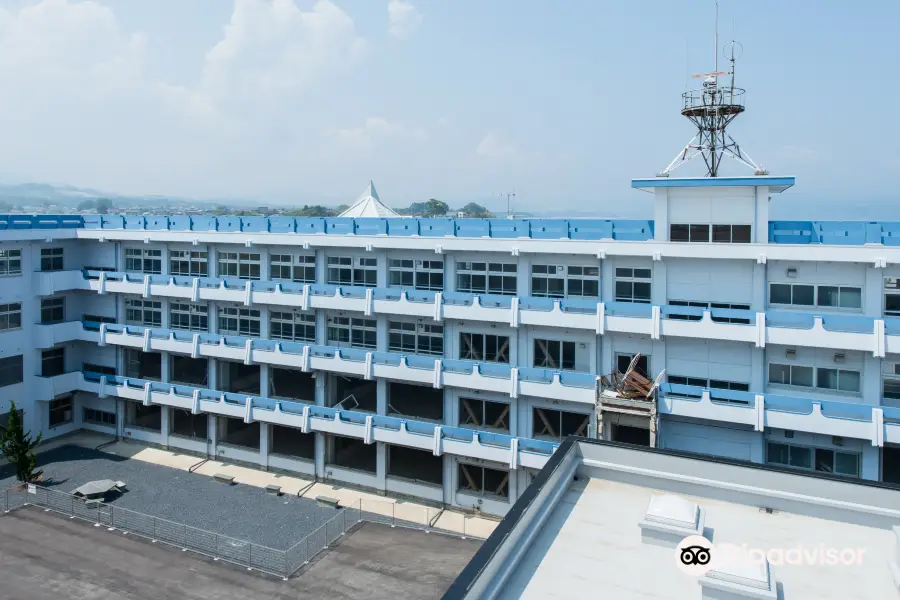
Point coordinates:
[(44, 556), (292, 485)]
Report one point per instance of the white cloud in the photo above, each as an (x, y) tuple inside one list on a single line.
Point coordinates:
[(403, 18), (374, 131), (80, 107), (497, 149)]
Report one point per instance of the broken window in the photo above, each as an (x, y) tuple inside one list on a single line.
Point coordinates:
[(624, 360), (554, 354), (484, 347), (483, 481), (556, 425), (483, 414), (143, 365), (190, 371)]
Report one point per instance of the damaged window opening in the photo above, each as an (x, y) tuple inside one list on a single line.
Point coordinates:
[(478, 413), (484, 347), (483, 481)]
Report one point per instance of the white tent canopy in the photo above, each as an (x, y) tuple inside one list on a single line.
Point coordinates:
[(369, 205)]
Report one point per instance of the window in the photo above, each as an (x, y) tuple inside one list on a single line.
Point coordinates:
[(143, 365), (97, 319), (10, 262), (550, 424), (633, 285), (352, 332), (796, 375), (294, 326), (11, 370), (10, 316), (98, 417), (478, 413), (826, 296), (51, 259), (235, 320), (190, 371), (483, 481), (709, 383), (416, 337), (189, 316), (99, 369), (418, 274), (707, 305), (53, 310), (624, 360), (554, 354), (891, 381), (841, 380), (345, 270), (892, 296), (731, 234), (188, 263), (823, 460), (60, 411), (486, 278), (293, 267), (53, 362), (688, 233), (484, 347), (142, 260), (556, 281), (143, 312), (830, 379), (243, 265)]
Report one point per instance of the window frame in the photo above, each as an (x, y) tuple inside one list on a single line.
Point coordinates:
[(815, 374), (500, 352), (285, 324), (52, 259), (816, 287), (422, 274), (146, 308), (188, 263), (354, 271), (689, 232), (813, 453), (629, 276), (12, 370), (56, 357), (242, 318), (195, 314), (360, 332), (554, 351), (495, 279), (143, 260), (10, 262), (53, 310), (570, 279), (105, 418), (239, 265), (64, 405), (10, 316), (425, 338), (299, 267)]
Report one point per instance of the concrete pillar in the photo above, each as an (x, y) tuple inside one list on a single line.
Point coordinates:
[(607, 281), (871, 380), (264, 380), (450, 414), (166, 364), (381, 387), (264, 270), (449, 273), (321, 328), (873, 292), (263, 321), (381, 336), (264, 445), (658, 288), (449, 479), (381, 275), (757, 370), (321, 272), (164, 304), (523, 276), (761, 225), (213, 377), (213, 433), (661, 214), (381, 467), (321, 449), (760, 288), (166, 412)]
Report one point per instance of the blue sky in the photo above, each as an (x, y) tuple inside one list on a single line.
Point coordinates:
[(564, 102)]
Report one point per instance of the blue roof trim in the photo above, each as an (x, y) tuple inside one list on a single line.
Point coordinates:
[(667, 182)]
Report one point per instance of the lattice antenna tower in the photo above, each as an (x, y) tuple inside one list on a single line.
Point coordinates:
[(711, 109)]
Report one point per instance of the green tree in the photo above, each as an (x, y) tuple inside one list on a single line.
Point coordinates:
[(103, 205), (18, 447), (477, 211), (435, 208), (87, 204)]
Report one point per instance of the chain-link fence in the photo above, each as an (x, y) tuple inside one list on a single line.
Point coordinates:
[(282, 563)]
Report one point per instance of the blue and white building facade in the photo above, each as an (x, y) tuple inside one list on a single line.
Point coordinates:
[(445, 359)]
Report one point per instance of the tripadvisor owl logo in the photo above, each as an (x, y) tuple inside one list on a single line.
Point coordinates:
[(694, 555)]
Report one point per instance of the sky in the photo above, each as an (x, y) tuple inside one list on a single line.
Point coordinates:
[(305, 101)]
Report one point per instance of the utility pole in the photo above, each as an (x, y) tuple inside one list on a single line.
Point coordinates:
[(509, 197)]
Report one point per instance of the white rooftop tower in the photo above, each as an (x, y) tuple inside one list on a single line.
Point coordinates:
[(369, 205)]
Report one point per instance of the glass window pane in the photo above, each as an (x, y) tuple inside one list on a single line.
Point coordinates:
[(699, 233), (824, 460), (740, 234), (721, 233), (848, 381), (777, 454), (780, 374), (800, 457), (779, 293), (679, 233), (802, 376), (803, 295), (827, 379), (828, 295), (851, 297), (846, 464)]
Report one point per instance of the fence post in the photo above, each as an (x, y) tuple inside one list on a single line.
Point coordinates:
[(343, 522), (216, 557), (98, 513), (359, 516), (307, 550), (393, 516), (6, 509), (72, 508)]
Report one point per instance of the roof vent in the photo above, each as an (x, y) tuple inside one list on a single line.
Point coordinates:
[(740, 579), (670, 519)]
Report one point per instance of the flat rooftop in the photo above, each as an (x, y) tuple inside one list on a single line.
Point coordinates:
[(45, 556), (575, 533)]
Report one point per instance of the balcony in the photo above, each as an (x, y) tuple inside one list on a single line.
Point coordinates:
[(371, 428), (837, 331), (879, 424), (575, 387)]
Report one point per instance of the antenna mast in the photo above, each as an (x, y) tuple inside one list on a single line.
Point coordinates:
[(711, 109)]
